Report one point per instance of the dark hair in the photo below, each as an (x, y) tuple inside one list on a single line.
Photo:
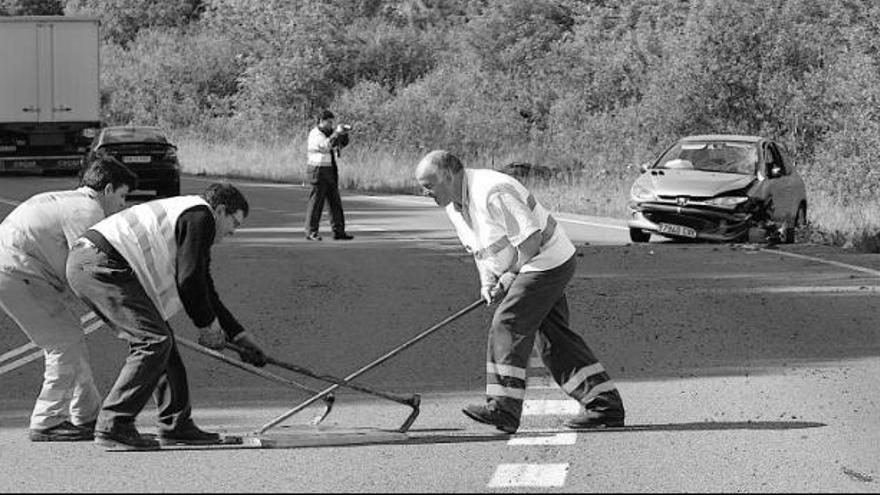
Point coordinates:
[(224, 193), (105, 170), (325, 115)]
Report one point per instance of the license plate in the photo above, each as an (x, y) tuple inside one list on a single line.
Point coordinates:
[(136, 159), (680, 230)]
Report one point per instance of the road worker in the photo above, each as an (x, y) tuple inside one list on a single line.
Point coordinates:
[(525, 261), (34, 242), (323, 145), (136, 270)]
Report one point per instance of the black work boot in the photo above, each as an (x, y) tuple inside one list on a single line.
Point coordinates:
[(491, 415), (606, 410), (124, 437), (63, 432), (188, 434)]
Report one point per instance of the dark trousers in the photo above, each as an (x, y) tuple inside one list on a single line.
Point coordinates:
[(534, 313), (325, 186), (153, 366)]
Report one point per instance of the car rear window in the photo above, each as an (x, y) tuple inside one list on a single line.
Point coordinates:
[(729, 157), (133, 135)]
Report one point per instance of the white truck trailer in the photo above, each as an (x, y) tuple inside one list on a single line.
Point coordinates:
[(49, 92)]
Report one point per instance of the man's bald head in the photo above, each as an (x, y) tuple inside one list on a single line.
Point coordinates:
[(439, 174)]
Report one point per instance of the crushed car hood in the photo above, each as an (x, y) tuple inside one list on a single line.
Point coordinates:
[(692, 182)]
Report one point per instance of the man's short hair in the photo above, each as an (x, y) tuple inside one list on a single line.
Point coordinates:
[(224, 193), (104, 170), (325, 115), (445, 162)]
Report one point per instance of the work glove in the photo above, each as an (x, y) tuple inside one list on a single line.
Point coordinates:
[(494, 292), (251, 352), (212, 336)]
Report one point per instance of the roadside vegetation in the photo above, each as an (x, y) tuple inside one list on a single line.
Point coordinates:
[(591, 88)]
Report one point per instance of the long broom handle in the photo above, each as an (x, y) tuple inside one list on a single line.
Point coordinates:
[(397, 350)]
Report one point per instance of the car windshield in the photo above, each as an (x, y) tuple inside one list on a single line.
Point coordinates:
[(133, 135), (729, 157)]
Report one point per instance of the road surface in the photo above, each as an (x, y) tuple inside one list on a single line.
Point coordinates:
[(742, 369)]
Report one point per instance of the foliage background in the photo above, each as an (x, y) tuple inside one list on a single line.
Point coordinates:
[(588, 87)]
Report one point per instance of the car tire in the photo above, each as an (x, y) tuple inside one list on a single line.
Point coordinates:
[(639, 235)]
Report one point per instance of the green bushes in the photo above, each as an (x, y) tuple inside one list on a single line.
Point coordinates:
[(592, 88)]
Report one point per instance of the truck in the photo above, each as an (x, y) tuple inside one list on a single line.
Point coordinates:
[(49, 92)]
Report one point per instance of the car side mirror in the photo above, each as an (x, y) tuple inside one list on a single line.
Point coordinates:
[(775, 171), (644, 167)]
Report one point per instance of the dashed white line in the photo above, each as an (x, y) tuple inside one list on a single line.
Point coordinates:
[(567, 438), (551, 407), (529, 475), (857, 268)]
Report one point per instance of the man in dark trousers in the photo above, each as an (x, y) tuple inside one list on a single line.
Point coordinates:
[(324, 143), (525, 261), (137, 269)]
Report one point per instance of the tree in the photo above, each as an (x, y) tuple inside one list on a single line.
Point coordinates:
[(31, 7), (122, 19)]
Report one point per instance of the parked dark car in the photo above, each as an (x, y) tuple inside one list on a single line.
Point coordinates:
[(716, 188), (146, 151)]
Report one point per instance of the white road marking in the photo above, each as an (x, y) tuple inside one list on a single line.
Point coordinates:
[(863, 289), (551, 407), (591, 224), (521, 475), (568, 438), (95, 324), (857, 268), (299, 230)]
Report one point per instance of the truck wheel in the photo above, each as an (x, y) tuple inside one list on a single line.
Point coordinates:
[(639, 235)]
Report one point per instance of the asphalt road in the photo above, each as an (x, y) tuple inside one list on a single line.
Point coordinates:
[(742, 369)]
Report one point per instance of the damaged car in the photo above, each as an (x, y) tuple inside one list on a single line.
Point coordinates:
[(721, 188)]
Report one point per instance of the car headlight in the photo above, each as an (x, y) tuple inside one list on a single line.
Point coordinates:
[(727, 201), (641, 193)]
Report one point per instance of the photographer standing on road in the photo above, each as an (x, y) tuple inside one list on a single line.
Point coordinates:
[(324, 144)]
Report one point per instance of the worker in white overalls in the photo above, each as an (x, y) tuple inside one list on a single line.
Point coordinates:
[(35, 239), (525, 261)]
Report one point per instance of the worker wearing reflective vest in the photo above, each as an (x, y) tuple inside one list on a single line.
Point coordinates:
[(323, 145), (525, 261), (35, 239), (139, 268)]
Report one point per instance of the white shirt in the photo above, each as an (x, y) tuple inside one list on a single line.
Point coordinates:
[(35, 238)]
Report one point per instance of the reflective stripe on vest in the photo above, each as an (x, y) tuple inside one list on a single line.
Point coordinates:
[(502, 243), (144, 236)]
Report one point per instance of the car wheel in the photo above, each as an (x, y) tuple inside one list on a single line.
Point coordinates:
[(800, 219), (639, 235)]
